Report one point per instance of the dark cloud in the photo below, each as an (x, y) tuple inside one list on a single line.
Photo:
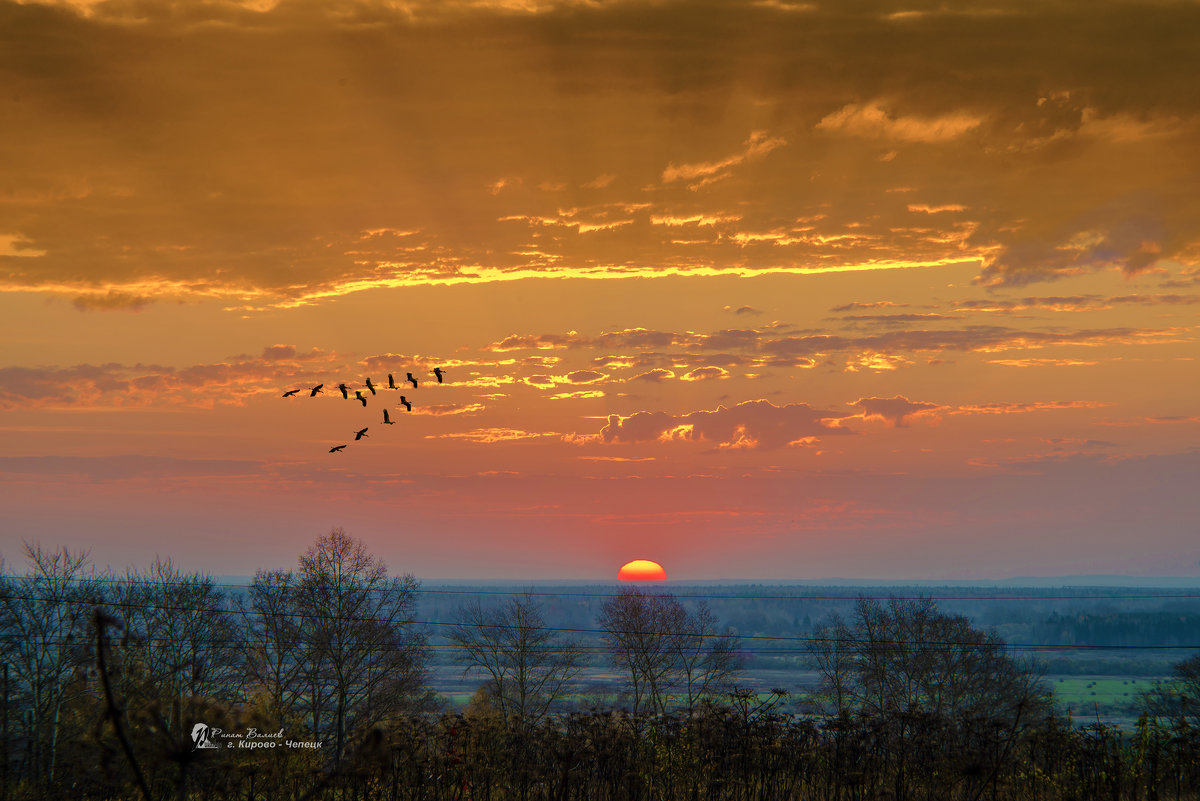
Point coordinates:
[(895, 410), (584, 376), (969, 338), (206, 149), (1077, 303), (112, 300), (21, 385), (656, 376), (116, 384), (805, 350), (856, 305), (729, 338), (279, 352), (898, 319)]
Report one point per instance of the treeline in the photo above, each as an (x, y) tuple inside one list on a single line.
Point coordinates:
[(1057, 617), (312, 683), (1176, 628)]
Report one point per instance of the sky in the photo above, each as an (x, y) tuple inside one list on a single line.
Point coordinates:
[(756, 289)]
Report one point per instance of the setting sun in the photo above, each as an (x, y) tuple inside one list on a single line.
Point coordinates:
[(642, 570)]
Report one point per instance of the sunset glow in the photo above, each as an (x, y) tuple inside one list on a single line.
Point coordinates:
[(766, 289)]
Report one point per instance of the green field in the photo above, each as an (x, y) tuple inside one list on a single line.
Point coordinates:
[(1112, 699), (1076, 690)]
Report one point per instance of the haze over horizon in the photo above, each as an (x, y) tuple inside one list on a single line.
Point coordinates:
[(746, 287)]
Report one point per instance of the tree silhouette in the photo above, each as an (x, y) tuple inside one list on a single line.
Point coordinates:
[(363, 659), (529, 667), (664, 650)]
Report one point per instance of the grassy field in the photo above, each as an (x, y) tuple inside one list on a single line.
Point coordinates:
[(1114, 699), (1075, 690)]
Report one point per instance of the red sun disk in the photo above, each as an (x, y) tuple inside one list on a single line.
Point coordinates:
[(642, 570)]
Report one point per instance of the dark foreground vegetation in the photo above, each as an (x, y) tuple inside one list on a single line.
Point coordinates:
[(717, 752), (312, 684)]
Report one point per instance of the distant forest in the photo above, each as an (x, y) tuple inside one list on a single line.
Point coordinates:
[(321, 682)]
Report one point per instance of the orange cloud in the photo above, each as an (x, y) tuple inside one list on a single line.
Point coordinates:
[(573, 377), (925, 208), (1003, 407), (705, 374), (444, 409), (1042, 362), (750, 424), (579, 394), (490, 436), (872, 121), (757, 145)]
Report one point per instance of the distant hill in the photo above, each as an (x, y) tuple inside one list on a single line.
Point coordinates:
[(1080, 580)]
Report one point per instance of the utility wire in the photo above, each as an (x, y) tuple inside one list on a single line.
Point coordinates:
[(1078, 594)]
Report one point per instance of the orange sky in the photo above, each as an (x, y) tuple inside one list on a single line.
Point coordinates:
[(753, 289)]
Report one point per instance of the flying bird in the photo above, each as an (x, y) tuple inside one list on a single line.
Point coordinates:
[(290, 393), (362, 432), (412, 380), (438, 372), (360, 397), (387, 420), (345, 390), (391, 382), (315, 390), (370, 386), (405, 403), (336, 448)]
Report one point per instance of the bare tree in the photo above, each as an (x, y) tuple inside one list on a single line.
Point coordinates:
[(181, 641), (362, 657), (46, 619), (909, 657), (666, 650), (528, 665), (1178, 698), (637, 637), (706, 659), (270, 640), (833, 651)]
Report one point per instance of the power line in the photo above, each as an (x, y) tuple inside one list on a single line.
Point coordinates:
[(848, 595)]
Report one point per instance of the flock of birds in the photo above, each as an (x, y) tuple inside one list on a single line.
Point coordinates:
[(438, 372)]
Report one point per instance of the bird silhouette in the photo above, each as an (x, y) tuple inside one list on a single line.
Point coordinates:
[(438, 372), (337, 448), (360, 397), (387, 420), (362, 432), (370, 386), (411, 380), (315, 390), (391, 382), (345, 390), (290, 393), (405, 403)]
